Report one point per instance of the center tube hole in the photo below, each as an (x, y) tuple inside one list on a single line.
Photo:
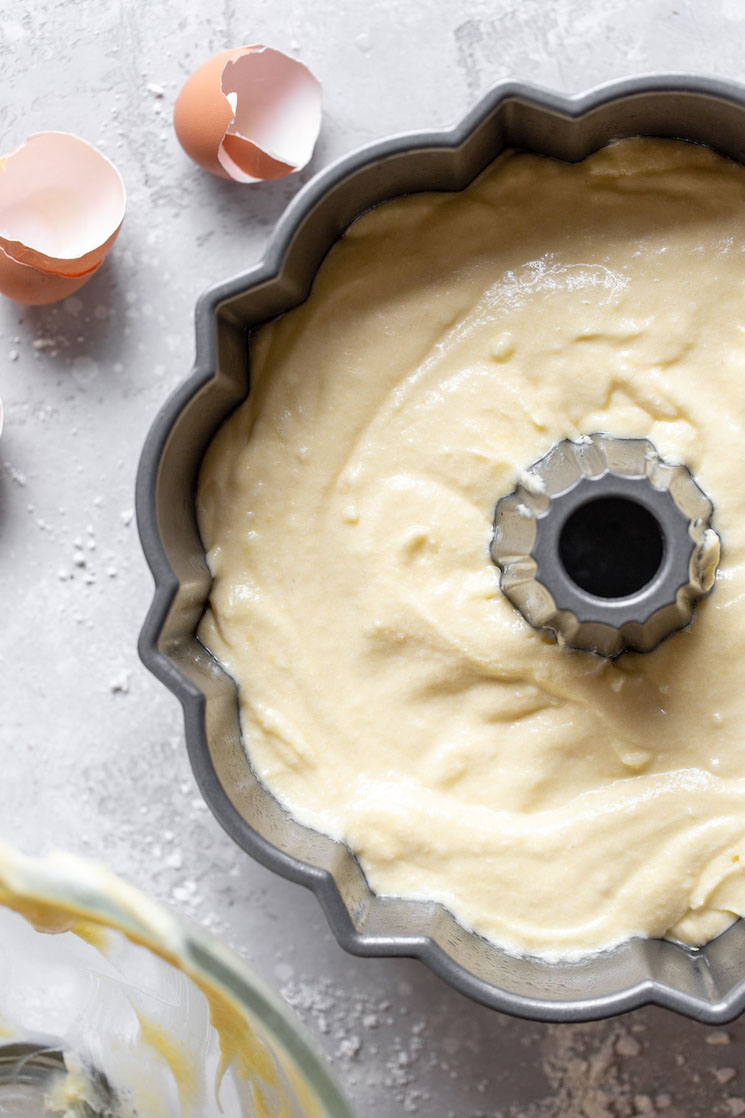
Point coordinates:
[(611, 547)]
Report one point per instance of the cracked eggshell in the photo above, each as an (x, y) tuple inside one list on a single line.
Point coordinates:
[(61, 207), (25, 284), (249, 114)]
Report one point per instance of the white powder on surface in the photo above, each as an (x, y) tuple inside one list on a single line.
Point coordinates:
[(515, 1069)]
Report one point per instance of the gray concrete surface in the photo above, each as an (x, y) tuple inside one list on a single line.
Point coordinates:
[(91, 747)]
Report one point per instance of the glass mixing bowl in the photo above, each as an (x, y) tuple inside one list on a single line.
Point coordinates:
[(112, 1007)]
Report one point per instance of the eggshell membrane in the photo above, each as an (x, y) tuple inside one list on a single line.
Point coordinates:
[(249, 114), (29, 285), (61, 204)]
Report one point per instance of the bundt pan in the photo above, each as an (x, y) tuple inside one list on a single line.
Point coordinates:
[(707, 984)]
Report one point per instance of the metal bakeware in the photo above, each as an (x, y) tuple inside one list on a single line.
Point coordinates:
[(632, 570), (707, 984)]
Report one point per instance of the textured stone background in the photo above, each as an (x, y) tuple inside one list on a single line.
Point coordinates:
[(91, 747)]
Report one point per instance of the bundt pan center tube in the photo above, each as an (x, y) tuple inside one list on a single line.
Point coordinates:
[(708, 983), (605, 545)]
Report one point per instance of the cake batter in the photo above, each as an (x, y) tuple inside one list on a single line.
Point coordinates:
[(391, 696)]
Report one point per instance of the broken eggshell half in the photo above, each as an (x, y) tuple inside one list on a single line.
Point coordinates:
[(61, 207), (249, 114)]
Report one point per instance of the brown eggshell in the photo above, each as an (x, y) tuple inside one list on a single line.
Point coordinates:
[(252, 161), (70, 269), (61, 204), (29, 285), (249, 114), (202, 113)]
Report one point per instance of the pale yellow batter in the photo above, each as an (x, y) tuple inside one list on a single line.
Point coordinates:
[(391, 695)]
